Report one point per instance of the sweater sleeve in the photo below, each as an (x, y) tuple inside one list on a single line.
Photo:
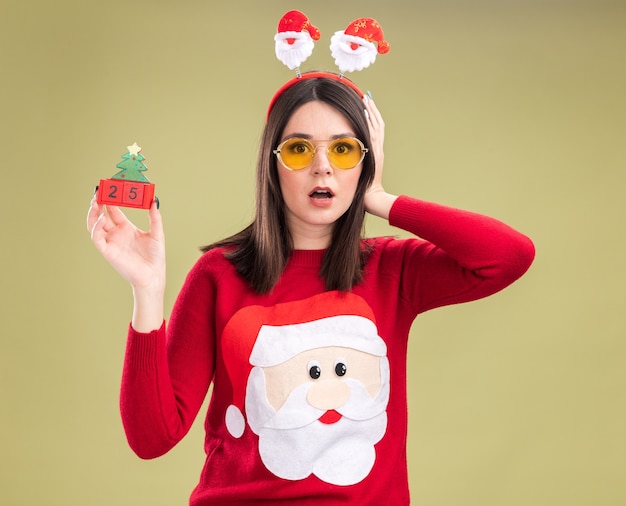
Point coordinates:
[(167, 372), (460, 256)]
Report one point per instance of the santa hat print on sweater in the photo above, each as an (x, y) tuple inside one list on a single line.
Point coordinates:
[(258, 336)]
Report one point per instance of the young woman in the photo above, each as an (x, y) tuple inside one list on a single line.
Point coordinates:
[(300, 324)]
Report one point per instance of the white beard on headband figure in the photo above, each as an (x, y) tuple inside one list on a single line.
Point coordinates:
[(321, 411), (352, 53), (293, 48)]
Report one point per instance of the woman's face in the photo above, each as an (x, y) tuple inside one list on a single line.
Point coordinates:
[(318, 195)]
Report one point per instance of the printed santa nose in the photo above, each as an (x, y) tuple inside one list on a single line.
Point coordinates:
[(328, 394)]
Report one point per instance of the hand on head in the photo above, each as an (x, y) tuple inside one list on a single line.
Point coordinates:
[(377, 201)]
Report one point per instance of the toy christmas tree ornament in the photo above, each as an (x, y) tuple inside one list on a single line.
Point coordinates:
[(132, 166), (129, 187)]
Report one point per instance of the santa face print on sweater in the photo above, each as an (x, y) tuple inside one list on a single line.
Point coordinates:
[(317, 390)]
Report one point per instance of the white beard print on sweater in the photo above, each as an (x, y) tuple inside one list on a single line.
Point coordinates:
[(294, 443), (320, 411)]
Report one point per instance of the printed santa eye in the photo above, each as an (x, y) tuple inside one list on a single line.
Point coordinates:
[(315, 371), (341, 368)]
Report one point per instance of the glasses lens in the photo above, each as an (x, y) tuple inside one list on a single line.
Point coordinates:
[(297, 154), (345, 153)]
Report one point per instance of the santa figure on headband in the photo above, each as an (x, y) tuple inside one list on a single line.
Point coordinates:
[(317, 387), (294, 40), (357, 46)]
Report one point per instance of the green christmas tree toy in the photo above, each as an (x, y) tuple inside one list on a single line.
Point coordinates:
[(132, 166), (129, 187)]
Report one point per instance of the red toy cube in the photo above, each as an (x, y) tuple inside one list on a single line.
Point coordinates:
[(125, 193)]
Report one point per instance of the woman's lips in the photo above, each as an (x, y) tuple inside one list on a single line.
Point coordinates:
[(321, 197), (321, 193)]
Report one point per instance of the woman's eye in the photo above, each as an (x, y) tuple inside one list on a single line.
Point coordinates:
[(299, 148), (342, 148)]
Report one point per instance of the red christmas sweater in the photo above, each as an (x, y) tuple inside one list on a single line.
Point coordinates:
[(309, 387)]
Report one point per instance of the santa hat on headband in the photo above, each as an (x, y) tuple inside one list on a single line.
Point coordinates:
[(294, 39), (258, 336), (357, 46)]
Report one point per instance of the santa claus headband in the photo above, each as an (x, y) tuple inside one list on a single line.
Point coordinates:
[(354, 48)]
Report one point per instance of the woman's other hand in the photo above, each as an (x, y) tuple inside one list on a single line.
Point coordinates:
[(377, 201)]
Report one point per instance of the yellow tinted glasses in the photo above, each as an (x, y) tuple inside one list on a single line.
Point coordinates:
[(343, 153)]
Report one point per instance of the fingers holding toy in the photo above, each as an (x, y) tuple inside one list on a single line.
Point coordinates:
[(137, 255)]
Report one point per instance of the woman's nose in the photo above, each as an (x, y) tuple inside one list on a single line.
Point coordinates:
[(321, 163)]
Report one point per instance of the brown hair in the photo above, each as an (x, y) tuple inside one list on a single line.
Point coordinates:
[(260, 251)]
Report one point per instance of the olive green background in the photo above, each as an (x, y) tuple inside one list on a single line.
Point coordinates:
[(513, 108)]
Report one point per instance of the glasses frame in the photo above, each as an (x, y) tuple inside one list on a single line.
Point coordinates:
[(276, 151)]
